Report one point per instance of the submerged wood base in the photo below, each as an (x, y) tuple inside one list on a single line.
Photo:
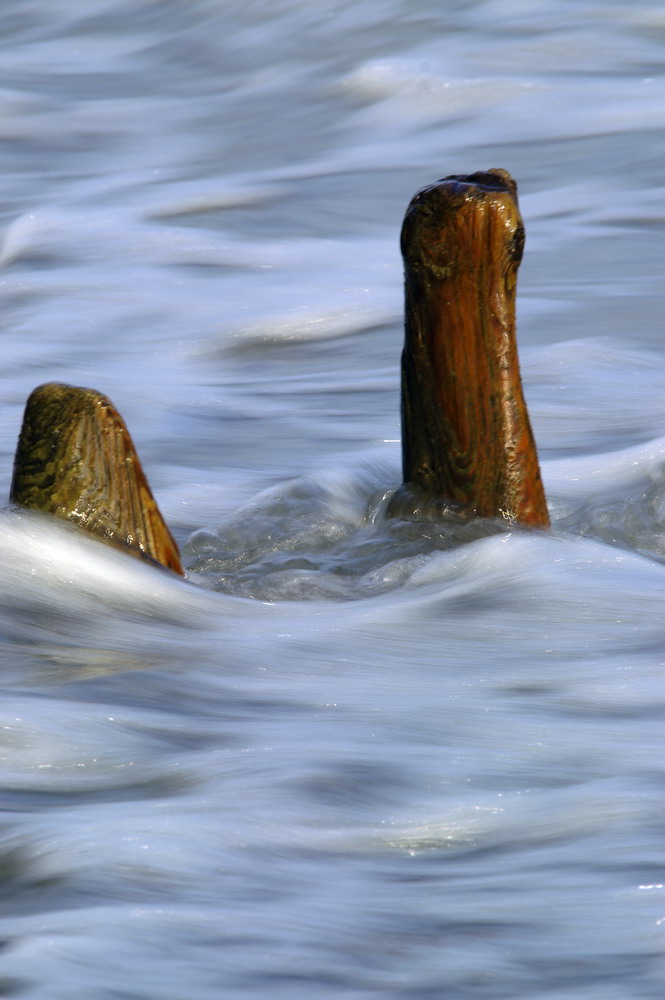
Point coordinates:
[(76, 460), (466, 436)]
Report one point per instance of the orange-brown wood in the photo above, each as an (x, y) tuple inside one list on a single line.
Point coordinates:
[(466, 436), (76, 460)]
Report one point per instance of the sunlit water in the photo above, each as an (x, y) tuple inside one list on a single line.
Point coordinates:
[(345, 758)]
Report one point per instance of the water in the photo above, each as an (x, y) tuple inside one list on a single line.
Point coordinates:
[(344, 759)]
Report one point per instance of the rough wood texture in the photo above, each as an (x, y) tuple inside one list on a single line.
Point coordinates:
[(76, 460), (466, 436)]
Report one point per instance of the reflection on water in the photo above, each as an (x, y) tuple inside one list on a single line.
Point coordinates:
[(343, 758)]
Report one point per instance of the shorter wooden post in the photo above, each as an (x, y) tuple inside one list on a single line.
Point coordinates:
[(76, 460)]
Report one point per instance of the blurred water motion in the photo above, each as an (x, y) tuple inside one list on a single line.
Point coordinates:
[(344, 759)]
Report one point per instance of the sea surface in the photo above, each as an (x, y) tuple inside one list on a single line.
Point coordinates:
[(348, 757)]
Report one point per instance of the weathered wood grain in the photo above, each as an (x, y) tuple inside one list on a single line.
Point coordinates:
[(76, 460), (466, 436)]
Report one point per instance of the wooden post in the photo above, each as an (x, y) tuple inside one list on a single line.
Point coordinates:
[(466, 436), (76, 460)]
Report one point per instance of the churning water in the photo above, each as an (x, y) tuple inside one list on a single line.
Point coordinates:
[(344, 759)]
